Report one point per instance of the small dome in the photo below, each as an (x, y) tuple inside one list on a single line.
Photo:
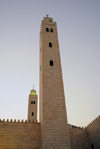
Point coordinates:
[(33, 92)]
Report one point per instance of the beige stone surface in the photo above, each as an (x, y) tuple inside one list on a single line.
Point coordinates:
[(53, 116), (78, 138), (32, 107), (85, 138), (53, 131), (93, 132), (19, 135)]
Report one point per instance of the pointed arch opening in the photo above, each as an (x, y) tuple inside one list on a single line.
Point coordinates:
[(50, 44), (32, 113), (47, 30), (51, 29), (51, 63), (31, 102)]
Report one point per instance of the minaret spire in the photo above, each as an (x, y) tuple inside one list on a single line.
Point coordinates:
[(32, 105), (33, 86), (53, 117)]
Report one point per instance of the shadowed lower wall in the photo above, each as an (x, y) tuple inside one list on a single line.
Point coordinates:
[(78, 138), (93, 133), (85, 138)]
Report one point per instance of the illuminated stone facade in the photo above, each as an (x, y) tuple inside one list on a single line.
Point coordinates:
[(32, 106), (53, 117), (53, 131)]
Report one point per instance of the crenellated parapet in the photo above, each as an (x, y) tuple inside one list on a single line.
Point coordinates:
[(18, 121), (19, 134), (75, 127), (78, 137)]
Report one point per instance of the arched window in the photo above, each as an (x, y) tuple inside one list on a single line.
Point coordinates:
[(50, 21), (51, 29), (51, 63), (32, 113), (31, 102), (47, 30), (50, 44)]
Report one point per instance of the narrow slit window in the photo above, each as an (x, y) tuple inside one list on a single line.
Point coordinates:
[(50, 44), (51, 63), (47, 30), (32, 113), (34, 102)]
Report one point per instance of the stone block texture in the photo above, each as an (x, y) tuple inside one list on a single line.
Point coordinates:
[(78, 138), (53, 116), (19, 135), (53, 131), (93, 133), (32, 107)]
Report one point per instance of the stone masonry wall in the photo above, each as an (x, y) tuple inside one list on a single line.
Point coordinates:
[(19, 135), (93, 132), (53, 115), (78, 138)]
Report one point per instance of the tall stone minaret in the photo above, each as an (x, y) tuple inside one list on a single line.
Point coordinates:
[(32, 106), (53, 116)]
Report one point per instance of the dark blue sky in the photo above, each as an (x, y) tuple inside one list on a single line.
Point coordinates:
[(79, 39)]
